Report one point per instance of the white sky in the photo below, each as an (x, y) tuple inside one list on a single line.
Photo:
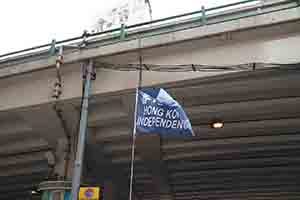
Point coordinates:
[(27, 23)]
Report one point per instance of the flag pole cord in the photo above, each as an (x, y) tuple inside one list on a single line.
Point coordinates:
[(135, 120)]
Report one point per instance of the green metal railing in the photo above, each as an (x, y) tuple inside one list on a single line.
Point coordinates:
[(164, 23)]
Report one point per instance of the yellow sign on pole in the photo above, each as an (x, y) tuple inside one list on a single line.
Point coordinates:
[(89, 193)]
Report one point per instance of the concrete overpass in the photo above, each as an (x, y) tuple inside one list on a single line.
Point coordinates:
[(255, 155)]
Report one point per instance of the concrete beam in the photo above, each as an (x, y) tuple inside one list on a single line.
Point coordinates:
[(114, 82), (22, 159), (223, 186), (249, 128), (18, 187), (231, 142), (13, 127), (203, 165), (24, 146), (44, 120), (56, 125), (245, 111), (263, 196), (249, 191), (124, 159), (99, 166), (109, 191), (25, 170), (149, 149), (26, 178), (106, 112), (17, 195), (237, 148), (115, 131), (162, 39), (239, 129), (94, 158), (277, 84)]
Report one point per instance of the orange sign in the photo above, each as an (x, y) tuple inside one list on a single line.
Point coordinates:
[(89, 193)]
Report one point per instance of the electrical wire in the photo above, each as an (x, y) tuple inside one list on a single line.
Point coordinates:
[(197, 67)]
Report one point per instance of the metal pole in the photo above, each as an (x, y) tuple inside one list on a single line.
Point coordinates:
[(133, 146), (82, 131), (135, 120)]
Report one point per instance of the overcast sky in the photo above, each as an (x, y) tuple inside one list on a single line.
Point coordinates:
[(27, 23)]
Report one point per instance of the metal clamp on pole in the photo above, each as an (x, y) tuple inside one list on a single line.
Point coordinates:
[(88, 77)]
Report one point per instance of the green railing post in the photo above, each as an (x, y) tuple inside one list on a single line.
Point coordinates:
[(52, 48), (203, 15), (123, 31)]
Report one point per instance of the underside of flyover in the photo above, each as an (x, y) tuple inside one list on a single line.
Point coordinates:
[(254, 156)]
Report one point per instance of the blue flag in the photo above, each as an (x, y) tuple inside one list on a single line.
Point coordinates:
[(158, 112)]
